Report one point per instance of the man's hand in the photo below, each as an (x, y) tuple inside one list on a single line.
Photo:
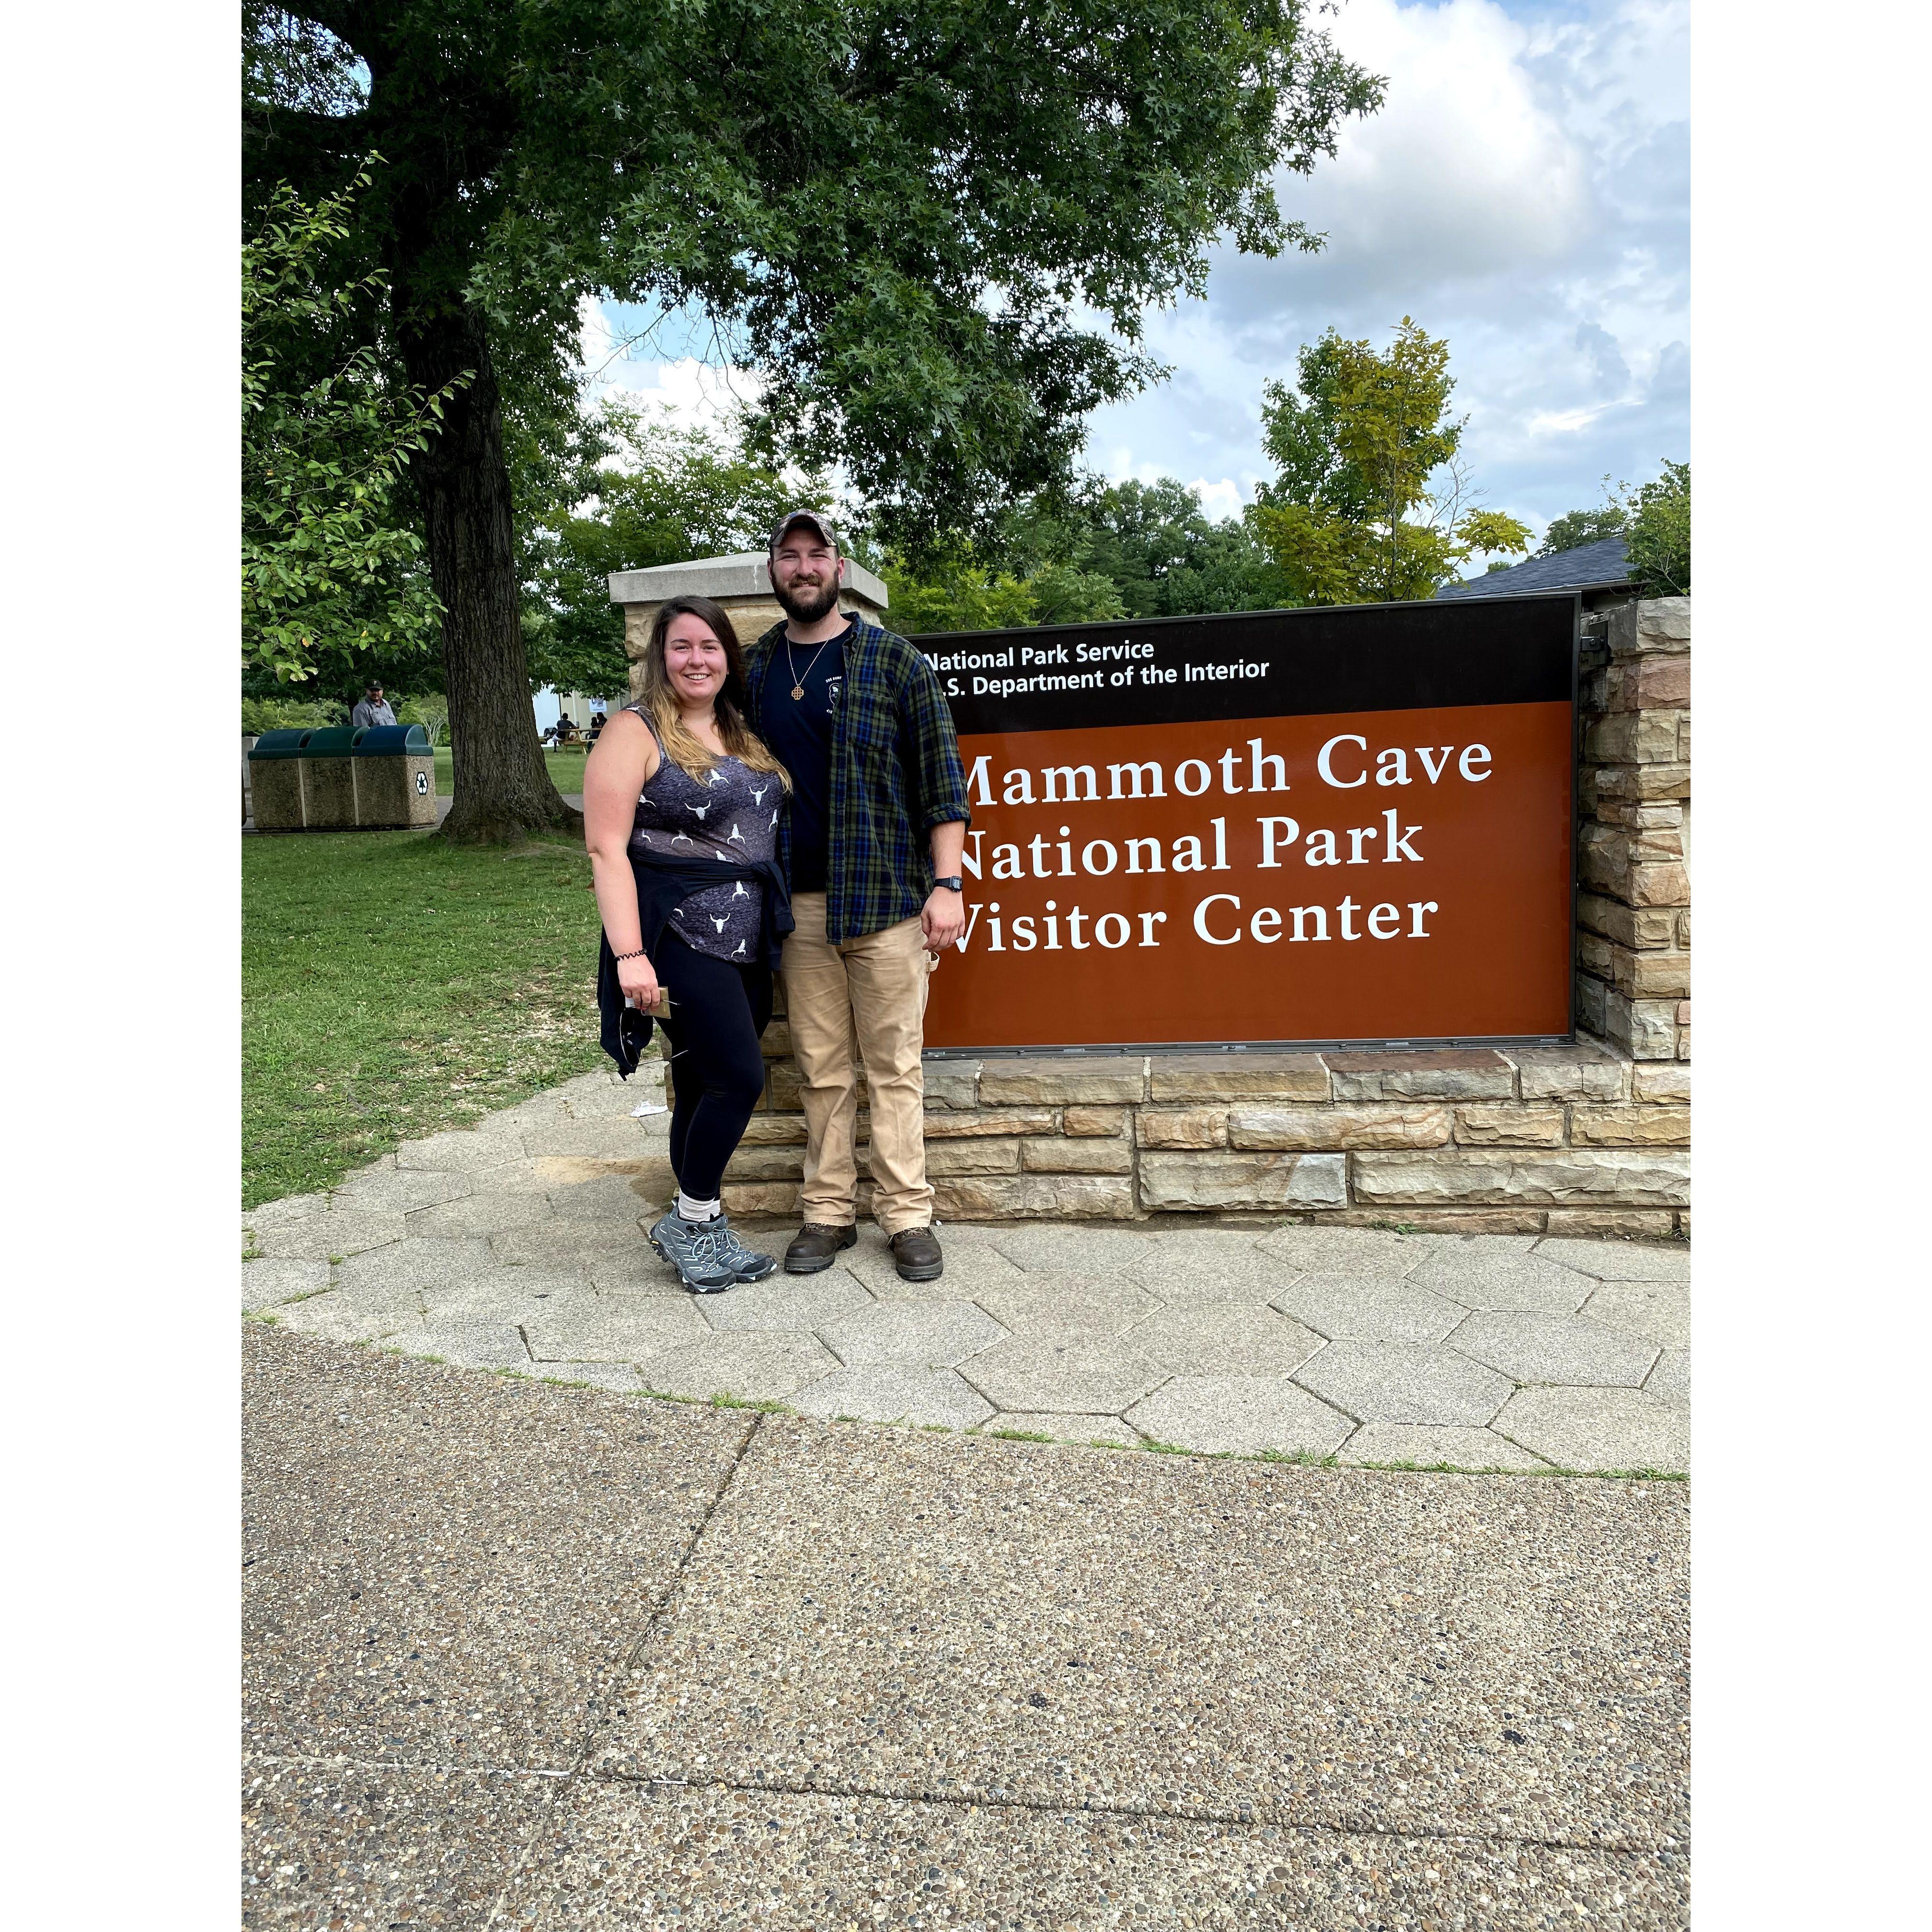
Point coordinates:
[(943, 919)]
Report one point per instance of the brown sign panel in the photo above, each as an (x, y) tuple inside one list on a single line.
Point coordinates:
[(1184, 832)]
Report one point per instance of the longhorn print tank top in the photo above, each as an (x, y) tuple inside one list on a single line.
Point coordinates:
[(729, 814)]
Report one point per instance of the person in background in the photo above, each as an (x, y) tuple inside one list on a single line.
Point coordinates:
[(598, 721), (681, 805), (373, 709), (872, 853)]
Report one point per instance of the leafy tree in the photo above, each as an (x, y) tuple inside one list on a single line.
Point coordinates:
[(1100, 551), (640, 491), (1165, 557), (1659, 533), (1654, 521), (1371, 502), (958, 592), (331, 577), (1576, 528), (898, 214), (290, 714)]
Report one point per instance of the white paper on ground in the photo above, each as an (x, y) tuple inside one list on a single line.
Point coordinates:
[(644, 1107)]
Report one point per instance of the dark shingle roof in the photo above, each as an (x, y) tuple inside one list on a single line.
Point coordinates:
[(1593, 566)]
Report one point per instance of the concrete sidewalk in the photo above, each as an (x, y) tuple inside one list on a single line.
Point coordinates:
[(524, 1656), (515, 1246)]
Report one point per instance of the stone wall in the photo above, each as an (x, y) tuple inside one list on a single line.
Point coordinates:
[(1593, 1138), (1634, 852)]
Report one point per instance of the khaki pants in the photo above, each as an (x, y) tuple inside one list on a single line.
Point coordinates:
[(868, 994)]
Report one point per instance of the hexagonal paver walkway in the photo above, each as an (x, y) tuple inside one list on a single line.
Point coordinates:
[(515, 1246)]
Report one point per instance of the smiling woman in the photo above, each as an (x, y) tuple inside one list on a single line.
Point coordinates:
[(681, 803)]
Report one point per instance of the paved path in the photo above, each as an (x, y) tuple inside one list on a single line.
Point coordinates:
[(516, 1246), (554, 1659)]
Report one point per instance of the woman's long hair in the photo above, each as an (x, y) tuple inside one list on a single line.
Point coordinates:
[(682, 745)]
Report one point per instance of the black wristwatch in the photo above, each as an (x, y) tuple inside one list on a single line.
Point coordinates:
[(955, 884)]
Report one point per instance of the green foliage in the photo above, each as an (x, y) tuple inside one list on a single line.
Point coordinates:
[(954, 592), (1099, 552), (1654, 521), (640, 491), (431, 711), (290, 714), (933, 228), (1370, 502), (1576, 528), (1659, 533), (958, 593), (329, 572), (1164, 555)]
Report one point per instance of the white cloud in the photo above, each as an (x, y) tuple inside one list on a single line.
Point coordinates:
[(1465, 171), (1221, 499), (1524, 193)]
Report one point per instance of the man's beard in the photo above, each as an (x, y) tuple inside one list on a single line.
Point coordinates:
[(807, 606)]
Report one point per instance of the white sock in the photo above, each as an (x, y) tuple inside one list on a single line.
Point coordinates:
[(689, 1210)]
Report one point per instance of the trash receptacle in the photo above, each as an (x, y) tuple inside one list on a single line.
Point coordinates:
[(395, 776), (328, 778), (275, 786)]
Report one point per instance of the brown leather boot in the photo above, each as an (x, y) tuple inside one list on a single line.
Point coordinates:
[(916, 1255), (815, 1246)]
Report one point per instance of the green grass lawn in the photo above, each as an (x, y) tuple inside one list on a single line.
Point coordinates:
[(566, 768), (392, 986)]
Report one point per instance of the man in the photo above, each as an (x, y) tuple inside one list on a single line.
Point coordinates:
[(877, 823), (373, 710)]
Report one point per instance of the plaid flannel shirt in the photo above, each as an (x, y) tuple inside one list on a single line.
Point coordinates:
[(896, 774)]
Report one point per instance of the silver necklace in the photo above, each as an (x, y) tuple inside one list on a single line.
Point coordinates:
[(798, 682)]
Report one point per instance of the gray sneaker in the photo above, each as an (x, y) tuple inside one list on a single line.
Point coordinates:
[(745, 1263), (696, 1250)]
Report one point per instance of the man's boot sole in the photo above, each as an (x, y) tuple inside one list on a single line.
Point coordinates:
[(931, 1273)]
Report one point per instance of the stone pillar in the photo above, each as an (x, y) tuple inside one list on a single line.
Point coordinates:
[(737, 583), (1633, 830)]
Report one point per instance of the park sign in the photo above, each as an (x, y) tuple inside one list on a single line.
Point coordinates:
[(1281, 827)]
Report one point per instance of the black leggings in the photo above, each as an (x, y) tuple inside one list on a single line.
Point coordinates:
[(717, 1012)]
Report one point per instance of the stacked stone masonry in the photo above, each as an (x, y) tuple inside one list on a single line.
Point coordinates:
[(1634, 847), (1592, 1138)]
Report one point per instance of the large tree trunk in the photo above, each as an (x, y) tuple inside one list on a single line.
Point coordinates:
[(502, 790)]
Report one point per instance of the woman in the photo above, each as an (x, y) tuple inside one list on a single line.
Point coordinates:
[(681, 806)]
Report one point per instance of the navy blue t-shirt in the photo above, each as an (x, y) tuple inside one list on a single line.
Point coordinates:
[(799, 731)]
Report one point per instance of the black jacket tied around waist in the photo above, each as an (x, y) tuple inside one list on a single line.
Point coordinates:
[(663, 886)]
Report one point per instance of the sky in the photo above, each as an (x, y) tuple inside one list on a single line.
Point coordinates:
[(1524, 192)]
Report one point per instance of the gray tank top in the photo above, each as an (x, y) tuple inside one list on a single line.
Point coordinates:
[(730, 814)]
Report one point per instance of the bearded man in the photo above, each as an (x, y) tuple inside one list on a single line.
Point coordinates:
[(872, 844)]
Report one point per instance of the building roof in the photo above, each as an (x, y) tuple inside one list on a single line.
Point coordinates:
[(741, 575), (1602, 566)]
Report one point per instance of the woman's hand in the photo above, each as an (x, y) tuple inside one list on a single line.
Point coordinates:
[(640, 982)]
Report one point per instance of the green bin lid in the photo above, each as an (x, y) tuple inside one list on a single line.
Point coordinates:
[(337, 742), (279, 744), (392, 741)]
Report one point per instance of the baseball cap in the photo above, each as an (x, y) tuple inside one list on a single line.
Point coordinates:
[(818, 521)]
